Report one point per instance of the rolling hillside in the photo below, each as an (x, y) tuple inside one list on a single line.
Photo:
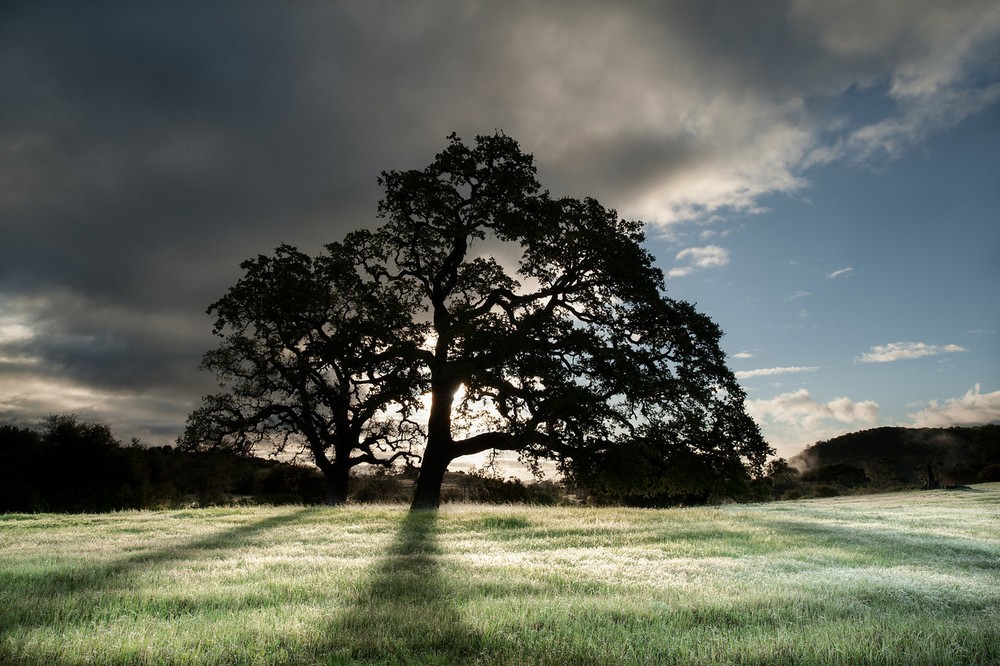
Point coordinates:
[(956, 455)]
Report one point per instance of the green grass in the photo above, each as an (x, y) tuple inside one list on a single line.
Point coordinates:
[(909, 578)]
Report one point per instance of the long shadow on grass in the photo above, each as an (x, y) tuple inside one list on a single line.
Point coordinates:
[(889, 547), (407, 611), (39, 598)]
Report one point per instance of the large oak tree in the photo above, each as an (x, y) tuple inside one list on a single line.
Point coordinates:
[(551, 334), (535, 324)]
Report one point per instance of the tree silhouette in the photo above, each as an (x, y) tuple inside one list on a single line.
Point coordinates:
[(536, 324), (317, 362), (550, 333)]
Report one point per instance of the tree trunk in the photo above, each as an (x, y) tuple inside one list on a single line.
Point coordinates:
[(437, 455), (337, 474), (337, 484), (932, 483), (427, 493)]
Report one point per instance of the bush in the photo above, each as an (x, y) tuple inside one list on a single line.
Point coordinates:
[(990, 474), (840, 474), (379, 485)]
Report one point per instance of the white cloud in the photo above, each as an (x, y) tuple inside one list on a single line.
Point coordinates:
[(761, 160), (697, 258), (794, 420), (840, 273), (932, 51), (973, 408), (799, 294), (26, 398), (928, 111), (705, 257), (14, 331), (799, 407), (743, 355), (767, 372), (713, 125), (897, 351), (39, 396)]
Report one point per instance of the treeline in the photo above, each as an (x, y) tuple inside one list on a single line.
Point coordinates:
[(890, 458), (69, 465)]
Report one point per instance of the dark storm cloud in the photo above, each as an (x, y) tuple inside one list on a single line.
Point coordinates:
[(109, 346), (139, 129), (147, 148)]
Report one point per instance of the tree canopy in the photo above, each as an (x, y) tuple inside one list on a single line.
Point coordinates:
[(550, 325), (317, 362), (535, 324)]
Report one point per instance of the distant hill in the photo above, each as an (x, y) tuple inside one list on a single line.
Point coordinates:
[(890, 455)]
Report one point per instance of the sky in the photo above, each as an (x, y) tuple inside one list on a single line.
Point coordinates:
[(822, 179)]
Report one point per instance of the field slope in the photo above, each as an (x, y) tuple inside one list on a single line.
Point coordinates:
[(909, 578)]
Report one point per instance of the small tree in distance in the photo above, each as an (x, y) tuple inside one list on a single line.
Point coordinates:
[(316, 362)]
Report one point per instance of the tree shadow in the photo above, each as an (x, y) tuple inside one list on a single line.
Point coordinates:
[(892, 547), (408, 611), (36, 598)]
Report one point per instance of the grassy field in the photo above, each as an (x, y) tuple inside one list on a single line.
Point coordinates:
[(910, 578)]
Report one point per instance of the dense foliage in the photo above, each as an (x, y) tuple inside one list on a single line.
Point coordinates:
[(71, 465), (315, 362)]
